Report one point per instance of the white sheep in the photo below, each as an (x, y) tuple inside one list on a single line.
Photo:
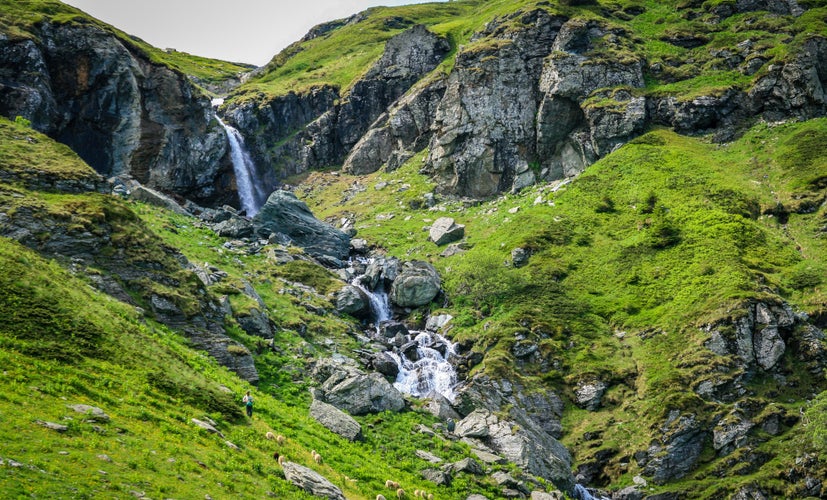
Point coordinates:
[(281, 460), (270, 436), (380, 497), (400, 493), (280, 439)]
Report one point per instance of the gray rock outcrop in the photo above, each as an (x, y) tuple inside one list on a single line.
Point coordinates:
[(284, 213), (348, 388), (529, 447), (311, 481), (416, 285), (122, 113), (678, 448), (330, 124), (336, 420)]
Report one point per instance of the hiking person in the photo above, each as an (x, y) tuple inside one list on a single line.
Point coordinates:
[(248, 403)]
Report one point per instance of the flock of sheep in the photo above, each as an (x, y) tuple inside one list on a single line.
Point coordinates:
[(392, 485)]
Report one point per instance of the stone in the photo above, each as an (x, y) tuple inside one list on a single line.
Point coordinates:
[(416, 285), (52, 426), (350, 389), (445, 230), (467, 465), (436, 476), (678, 448), (542, 495), (206, 426), (255, 323), (438, 406), (352, 300), (428, 456), (336, 420), (519, 257), (588, 395), (311, 481), (92, 413), (286, 214), (385, 364)]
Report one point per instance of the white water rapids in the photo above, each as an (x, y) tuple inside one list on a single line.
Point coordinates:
[(250, 192), (430, 369)]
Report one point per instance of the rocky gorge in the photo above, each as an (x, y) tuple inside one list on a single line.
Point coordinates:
[(560, 254)]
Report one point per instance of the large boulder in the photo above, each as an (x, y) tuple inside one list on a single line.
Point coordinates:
[(336, 420), (311, 481), (284, 213), (524, 444), (445, 230), (416, 285), (348, 388), (354, 301)]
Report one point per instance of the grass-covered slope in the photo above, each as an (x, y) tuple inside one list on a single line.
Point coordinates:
[(20, 18), (689, 47), (628, 261), (63, 342)]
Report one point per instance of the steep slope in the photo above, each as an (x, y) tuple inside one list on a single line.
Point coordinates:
[(102, 389), (671, 296), (125, 107)]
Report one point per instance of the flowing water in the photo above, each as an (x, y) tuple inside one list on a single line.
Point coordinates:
[(250, 191), (430, 369)]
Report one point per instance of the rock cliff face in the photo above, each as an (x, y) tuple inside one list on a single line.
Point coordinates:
[(122, 113), (534, 96), (320, 127)]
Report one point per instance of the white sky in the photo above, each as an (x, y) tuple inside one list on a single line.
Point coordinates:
[(249, 31)]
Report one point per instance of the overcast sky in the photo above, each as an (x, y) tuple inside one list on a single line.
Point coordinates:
[(249, 31)]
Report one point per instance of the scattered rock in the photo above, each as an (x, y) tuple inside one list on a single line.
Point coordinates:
[(207, 426), (436, 476), (445, 230), (94, 413), (311, 481), (336, 420), (52, 426), (428, 457), (416, 285)]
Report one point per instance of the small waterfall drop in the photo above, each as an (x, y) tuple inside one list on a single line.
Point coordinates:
[(424, 358), (582, 493), (250, 191)]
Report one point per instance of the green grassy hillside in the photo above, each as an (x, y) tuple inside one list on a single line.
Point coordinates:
[(339, 56), (64, 343), (628, 260)]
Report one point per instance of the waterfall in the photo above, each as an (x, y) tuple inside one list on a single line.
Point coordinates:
[(431, 371), (582, 493), (250, 191), (423, 360)]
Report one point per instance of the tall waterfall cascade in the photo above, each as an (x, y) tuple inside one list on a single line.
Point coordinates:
[(251, 192), (423, 359)]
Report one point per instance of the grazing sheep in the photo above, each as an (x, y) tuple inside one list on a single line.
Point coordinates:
[(270, 436), (389, 484), (280, 439), (380, 497), (395, 484), (316, 457), (400, 493), (430, 496), (416, 493), (281, 460)]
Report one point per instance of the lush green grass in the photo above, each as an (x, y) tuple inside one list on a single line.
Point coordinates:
[(662, 236), (63, 342), (21, 144)]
